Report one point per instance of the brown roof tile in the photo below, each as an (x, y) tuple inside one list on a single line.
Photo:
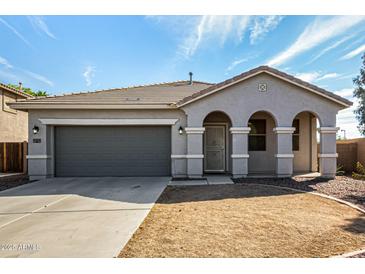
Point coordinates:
[(163, 93), (15, 91)]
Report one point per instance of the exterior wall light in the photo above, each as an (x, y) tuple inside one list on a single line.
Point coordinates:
[(35, 130), (181, 130)]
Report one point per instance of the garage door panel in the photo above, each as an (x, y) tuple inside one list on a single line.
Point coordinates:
[(113, 151)]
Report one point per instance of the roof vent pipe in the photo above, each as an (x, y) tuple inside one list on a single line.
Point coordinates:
[(20, 86), (190, 78)]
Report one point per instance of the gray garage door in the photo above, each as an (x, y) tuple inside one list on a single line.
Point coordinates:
[(112, 151)]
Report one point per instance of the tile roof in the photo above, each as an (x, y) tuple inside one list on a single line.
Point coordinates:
[(162, 93), (176, 93), (15, 91), (253, 72)]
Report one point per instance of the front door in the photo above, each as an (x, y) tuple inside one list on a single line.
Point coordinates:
[(215, 148)]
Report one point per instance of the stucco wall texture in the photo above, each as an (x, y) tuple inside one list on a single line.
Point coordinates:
[(13, 123), (282, 102)]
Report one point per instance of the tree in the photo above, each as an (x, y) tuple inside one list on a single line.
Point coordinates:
[(29, 90), (359, 93)]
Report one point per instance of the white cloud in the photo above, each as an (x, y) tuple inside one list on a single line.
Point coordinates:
[(353, 53), (39, 77), (38, 23), (315, 34), (347, 121), (215, 30), (262, 25), (236, 63), (242, 26), (346, 92), (348, 76), (20, 36), (315, 76), (308, 76), (329, 76), (331, 47), (240, 61), (89, 74), (192, 42), (209, 29), (5, 62)]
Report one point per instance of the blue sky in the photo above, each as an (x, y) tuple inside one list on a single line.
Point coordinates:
[(62, 54)]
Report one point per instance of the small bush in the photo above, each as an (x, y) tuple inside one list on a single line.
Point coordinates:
[(359, 174)]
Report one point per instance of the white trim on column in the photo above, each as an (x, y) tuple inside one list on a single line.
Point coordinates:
[(195, 156), (283, 130), (177, 156), (38, 156), (328, 129), (284, 155), (328, 155), (194, 130), (107, 122), (240, 156), (240, 130), (187, 156)]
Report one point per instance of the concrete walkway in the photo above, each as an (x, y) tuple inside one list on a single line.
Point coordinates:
[(74, 217), (207, 180)]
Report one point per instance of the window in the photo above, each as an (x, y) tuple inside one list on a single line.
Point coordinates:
[(257, 135), (296, 135)]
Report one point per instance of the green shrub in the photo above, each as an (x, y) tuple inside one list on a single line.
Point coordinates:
[(359, 172)]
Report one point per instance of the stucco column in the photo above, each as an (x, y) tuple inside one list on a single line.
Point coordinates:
[(194, 151), (328, 155), (284, 152), (239, 151), (40, 151)]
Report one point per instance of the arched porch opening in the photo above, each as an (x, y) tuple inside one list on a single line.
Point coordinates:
[(261, 144), (217, 143), (305, 140)]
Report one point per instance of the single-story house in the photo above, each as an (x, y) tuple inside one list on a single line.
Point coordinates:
[(262, 121)]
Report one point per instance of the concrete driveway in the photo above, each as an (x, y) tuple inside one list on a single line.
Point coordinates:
[(74, 217)]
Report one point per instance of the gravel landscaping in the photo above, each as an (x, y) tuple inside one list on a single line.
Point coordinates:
[(341, 187), (7, 182), (244, 220)]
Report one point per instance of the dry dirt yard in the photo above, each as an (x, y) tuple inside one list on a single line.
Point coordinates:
[(246, 220)]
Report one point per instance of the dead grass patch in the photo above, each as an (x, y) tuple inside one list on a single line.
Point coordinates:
[(246, 221)]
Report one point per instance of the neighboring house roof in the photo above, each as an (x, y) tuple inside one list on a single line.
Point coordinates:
[(264, 69), (163, 95), (15, 91)]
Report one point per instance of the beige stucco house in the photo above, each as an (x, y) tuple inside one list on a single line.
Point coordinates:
[(261, 122), (13, 123)]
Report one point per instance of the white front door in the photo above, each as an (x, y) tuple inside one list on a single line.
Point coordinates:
[(215, 148)]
